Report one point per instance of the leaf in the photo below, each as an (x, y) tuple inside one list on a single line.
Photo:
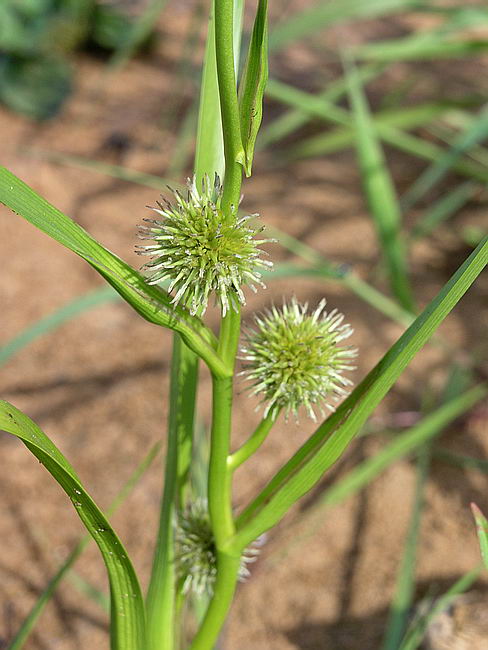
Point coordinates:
[(417, 629), (31, 619), (476, 132), (332, 437), (151, 302), (253, 84), (127, 605), (380, 192), (482, 530), (49, 323), (323, 14)]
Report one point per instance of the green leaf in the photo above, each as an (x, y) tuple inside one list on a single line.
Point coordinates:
[(30, 621), (127, 606), (476, 132), (405, 587), (331, 439), (151, 302), (380, 193), (482, 530), (443, 209), (49, 323), (416, 49), (415, 633), (209, 154), (323, 14), (253, 84)]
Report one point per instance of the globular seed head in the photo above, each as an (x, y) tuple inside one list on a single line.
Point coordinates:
[(196, 555), (294, 358), (201, 250)]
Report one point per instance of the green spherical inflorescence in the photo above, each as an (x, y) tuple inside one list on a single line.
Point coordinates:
[(201, 250), (196, 554), (294, 358)]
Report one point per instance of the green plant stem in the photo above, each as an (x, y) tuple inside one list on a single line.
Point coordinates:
[(225, 586), (229, 105), (219, 478), (219, 475), (253, 443), (161, 611)]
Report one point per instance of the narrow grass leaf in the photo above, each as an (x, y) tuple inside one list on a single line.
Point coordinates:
[(30, 621), (151, 302), (338, 139), (405, 587), (323, 14), (458, 460), (297, 117), (253, 84), (106, 169), (475, 133), (425, 49), (482, 531), (50, 323), (330, 440), (380, 193), (416, 632), (127, 606), (401, 446), (443, 209)]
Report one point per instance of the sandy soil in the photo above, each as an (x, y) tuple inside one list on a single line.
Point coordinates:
[(98, 385)]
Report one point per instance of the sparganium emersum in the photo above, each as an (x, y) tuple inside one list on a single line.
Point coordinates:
[(199, 249), (196, 558), (294, 358)]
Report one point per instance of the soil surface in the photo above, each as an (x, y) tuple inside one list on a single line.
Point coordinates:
[(98, 385)]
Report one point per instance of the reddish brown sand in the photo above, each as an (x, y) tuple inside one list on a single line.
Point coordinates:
[(98, 385)]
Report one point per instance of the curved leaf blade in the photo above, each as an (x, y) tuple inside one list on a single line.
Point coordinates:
[(127, 605), (253, 84), (333, 436), (151, 302)]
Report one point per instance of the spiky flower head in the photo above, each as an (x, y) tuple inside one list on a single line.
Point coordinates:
[(295, 358), (196, 556), (201, 250)]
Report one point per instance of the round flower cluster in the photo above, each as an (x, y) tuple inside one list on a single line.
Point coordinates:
[(294, 358), (196, 556), (199, 249)]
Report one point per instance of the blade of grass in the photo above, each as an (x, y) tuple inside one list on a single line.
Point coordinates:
[(295, 118), (482, 531), (387, 132), (127, 605), (401, 446), (405, 118), (332, 437), (62, 315), (415, 49), (443, 209), (475, 133), (107, 169), (323, 14), (466, 462), (30, 621), (380, 193), (416, 632), (405, 588)]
